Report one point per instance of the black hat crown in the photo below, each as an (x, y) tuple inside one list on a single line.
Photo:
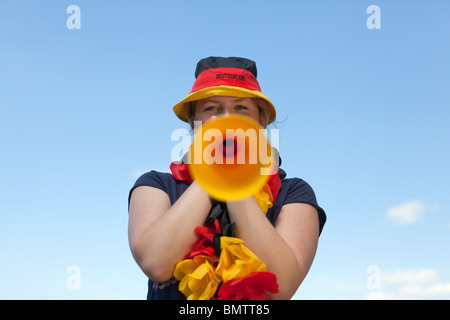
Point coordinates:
[(231, 62)]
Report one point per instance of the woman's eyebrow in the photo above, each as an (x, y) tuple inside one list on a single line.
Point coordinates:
[(212, 100), (209, 101)]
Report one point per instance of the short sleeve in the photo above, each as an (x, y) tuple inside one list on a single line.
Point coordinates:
[(151, 179), (301, 192), (163, 181)]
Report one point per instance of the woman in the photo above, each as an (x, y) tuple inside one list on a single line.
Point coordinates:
[(165, 211)]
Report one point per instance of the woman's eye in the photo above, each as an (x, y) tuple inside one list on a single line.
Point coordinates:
[(241, 107), (210, 108)]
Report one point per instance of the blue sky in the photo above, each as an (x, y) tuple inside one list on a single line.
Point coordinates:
[(363, 117)]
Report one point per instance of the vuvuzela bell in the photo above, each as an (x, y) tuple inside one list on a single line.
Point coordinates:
[(230, 157)]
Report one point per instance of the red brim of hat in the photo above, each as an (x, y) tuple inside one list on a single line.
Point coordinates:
[(181, 109)]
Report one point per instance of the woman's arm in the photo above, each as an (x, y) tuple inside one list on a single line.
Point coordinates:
[(288, 250), (161, 235)]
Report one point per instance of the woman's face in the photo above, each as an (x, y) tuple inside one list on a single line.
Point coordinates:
[(209, 108)]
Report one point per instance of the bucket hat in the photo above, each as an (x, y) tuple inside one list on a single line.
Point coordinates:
[(217, 76)]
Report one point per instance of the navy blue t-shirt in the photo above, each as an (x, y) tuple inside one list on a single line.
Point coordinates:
[(292, 190)]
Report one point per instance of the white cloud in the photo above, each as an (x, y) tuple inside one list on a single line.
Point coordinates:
[(410, 276), (406, 213), (439, 289), (411, 284), (413, 292)]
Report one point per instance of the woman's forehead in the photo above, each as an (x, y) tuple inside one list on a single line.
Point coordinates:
[(223, 98)]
